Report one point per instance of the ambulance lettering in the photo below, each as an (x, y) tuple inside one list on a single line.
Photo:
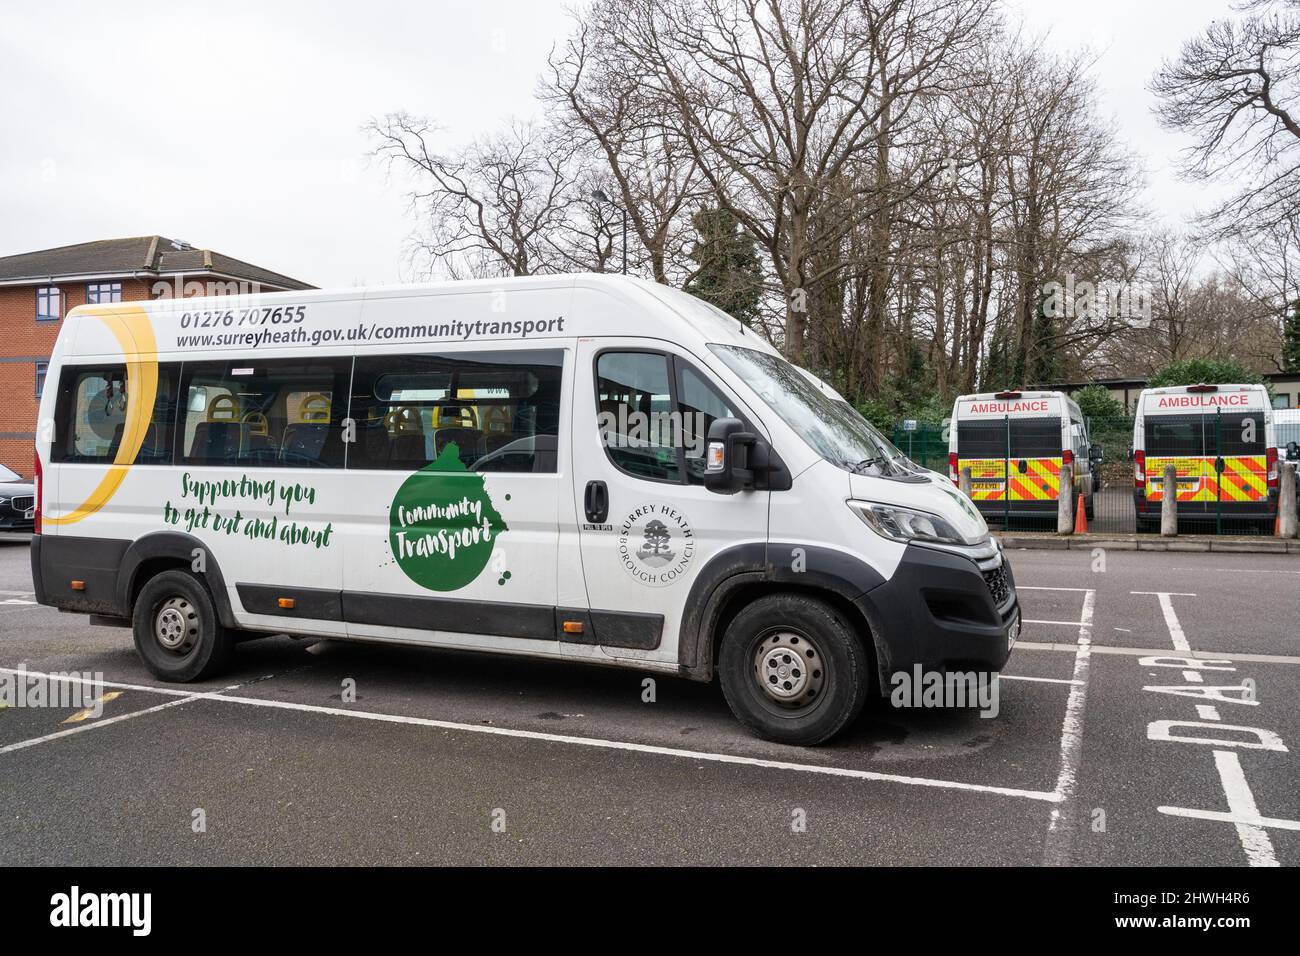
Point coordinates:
[(1237, 400), (1007, 408)]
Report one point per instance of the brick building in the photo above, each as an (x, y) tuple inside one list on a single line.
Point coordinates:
[(38, 288)]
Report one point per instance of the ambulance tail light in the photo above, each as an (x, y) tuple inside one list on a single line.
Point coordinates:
[(40, 488), (1067, 457), (1271, 459), (1139, 469), (952, 468)]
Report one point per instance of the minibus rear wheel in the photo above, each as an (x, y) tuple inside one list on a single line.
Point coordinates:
[(177, 632), (793, 670)]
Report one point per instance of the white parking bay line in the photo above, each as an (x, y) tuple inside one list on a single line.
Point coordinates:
[(1242, 812), (181, 697), (1040, 680), (627, 746), (1030, 587), (82, 728), (646, 748), (1065, 623), (1171, 619), (1060, 828)]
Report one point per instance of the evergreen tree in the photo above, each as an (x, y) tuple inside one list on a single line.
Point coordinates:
[(1211, 371), (1291, 339), (1096, 401), (729, 275)]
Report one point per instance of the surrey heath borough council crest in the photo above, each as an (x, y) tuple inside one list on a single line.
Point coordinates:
[(656, 544)]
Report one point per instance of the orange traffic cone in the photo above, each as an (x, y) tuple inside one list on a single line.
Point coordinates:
[(1277, 524), (1080, 517)]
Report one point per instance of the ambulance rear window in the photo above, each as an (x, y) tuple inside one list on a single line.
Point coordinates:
[(1239, 433), (1029, 438), (1174, 435)]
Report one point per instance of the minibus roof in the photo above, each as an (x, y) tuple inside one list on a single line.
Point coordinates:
[(590, 304)]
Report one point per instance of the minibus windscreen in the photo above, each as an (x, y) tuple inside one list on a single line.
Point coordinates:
[(834, 429)]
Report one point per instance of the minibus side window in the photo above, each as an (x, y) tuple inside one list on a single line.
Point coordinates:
[(90, 416), (256, 413), (700, 406), (494, 411), (634, 405)]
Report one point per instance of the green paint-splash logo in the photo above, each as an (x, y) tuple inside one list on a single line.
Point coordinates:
[(442, 525)]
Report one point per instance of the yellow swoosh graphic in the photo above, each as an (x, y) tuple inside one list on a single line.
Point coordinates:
[(134, 332)]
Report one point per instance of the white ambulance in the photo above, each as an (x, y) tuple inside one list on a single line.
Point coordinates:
[(1221, 441), (589, 468), (1016, 445)]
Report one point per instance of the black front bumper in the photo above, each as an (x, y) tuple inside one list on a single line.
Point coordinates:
[(944, 612)]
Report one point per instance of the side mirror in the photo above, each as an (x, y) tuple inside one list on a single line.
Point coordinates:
[(1293, 450), (1130, 453), (1096, 453), (727, 454)]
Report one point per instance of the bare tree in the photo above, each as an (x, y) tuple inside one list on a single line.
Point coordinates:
[(1234, 90), (781, 102), (489, 209), (600, 96)]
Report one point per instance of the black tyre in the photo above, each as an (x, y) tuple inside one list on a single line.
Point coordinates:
[(1090, 508), (793, 670), (177, 633)]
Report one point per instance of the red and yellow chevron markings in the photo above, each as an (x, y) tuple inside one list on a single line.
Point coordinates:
[(1040, 481)]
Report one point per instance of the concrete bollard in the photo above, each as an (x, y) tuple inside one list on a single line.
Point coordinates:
[(963, 481), (1065, 503), (1169, 503), (1288, 524)]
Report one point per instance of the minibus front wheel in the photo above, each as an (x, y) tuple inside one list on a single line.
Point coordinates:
[(177, 632), (793, 670)]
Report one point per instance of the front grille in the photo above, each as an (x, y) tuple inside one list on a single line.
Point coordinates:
[(996, 579), (23, 503)]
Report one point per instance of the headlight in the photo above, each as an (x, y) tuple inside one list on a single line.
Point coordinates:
[(906, 524), (4, 501)]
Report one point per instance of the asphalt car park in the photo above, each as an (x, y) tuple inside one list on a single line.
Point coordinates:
[(339, 753)]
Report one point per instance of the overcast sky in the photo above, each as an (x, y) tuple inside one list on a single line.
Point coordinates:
[(237, 126)]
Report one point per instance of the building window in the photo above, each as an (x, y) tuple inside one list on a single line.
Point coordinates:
[(41, 369), (49, 303), (99, 293)]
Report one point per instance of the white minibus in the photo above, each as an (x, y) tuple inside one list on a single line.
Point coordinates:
[(1221, 442), (589, 468)]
